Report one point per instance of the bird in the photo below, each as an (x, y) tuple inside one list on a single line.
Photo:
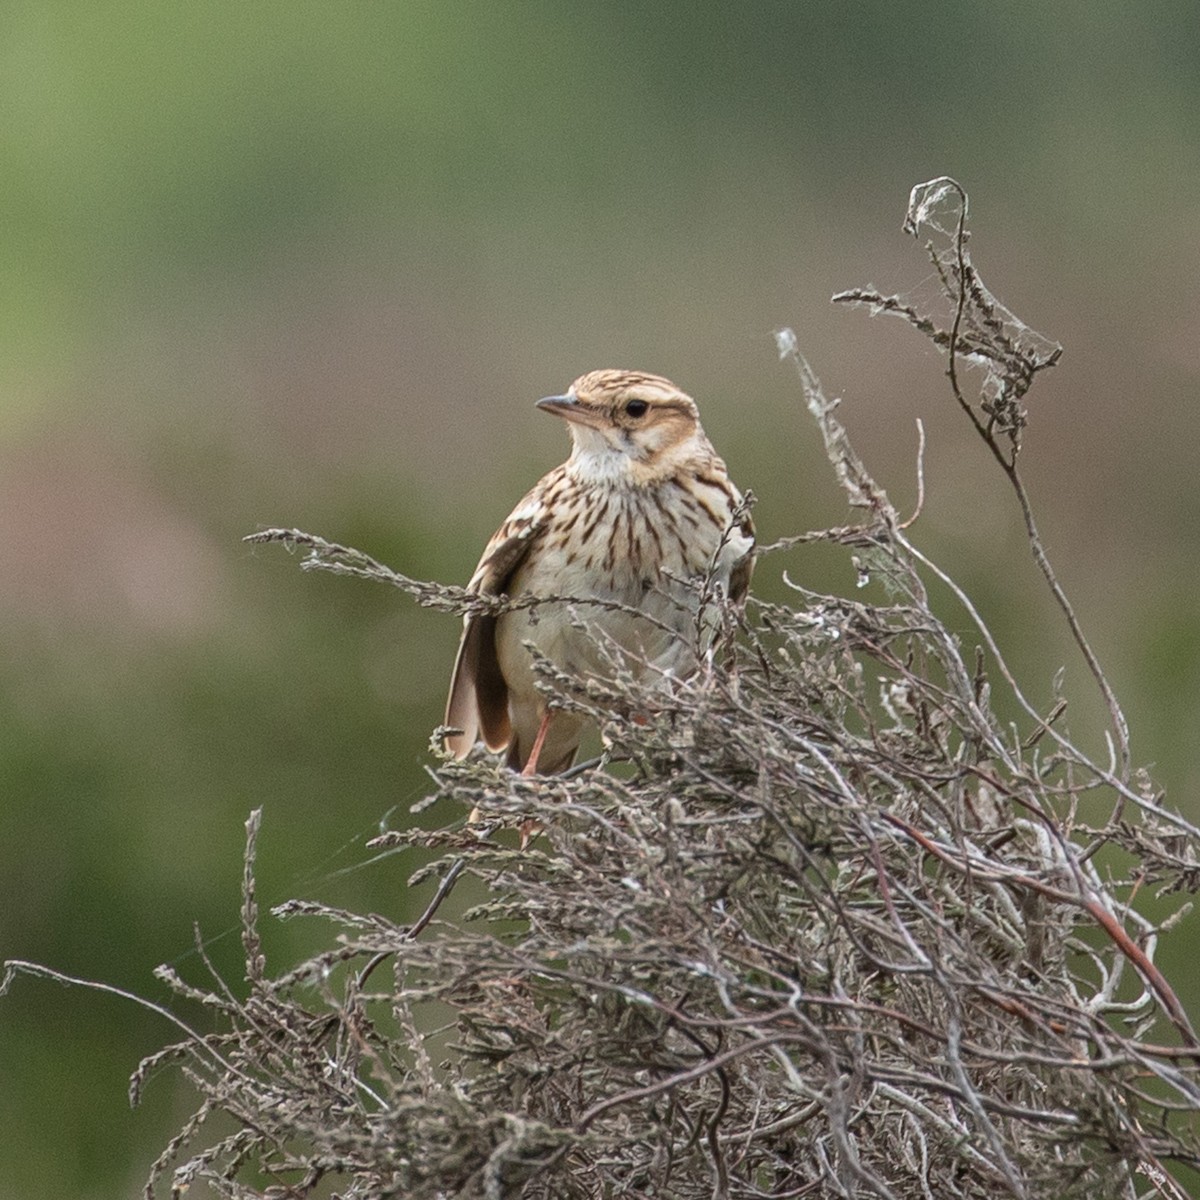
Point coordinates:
[(640, 520)]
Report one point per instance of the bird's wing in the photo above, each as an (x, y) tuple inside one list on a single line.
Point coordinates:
[(478, 702)]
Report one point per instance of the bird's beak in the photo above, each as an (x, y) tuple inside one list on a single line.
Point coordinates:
[(570, 408)]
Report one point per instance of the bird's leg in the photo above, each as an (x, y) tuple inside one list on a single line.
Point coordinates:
[(531, 762), (530, 829)]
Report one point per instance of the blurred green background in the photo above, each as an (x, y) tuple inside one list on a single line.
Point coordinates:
[(310, 264)]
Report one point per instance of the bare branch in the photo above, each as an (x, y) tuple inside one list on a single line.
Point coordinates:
[(834, 928)]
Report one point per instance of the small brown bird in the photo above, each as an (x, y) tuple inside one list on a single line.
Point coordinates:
[(643, 505)]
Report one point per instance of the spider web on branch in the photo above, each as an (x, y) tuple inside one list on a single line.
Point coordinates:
[(957, 312)]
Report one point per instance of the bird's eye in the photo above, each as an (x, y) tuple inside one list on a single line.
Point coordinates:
[(636, 408)]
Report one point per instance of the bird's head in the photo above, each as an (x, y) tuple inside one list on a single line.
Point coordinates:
[(629, 425)]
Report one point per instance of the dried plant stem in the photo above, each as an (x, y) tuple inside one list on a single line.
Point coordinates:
[(836, 930)]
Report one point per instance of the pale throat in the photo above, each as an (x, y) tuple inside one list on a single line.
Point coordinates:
[(608, 460)]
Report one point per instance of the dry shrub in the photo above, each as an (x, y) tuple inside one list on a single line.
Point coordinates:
[(836, 930)]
